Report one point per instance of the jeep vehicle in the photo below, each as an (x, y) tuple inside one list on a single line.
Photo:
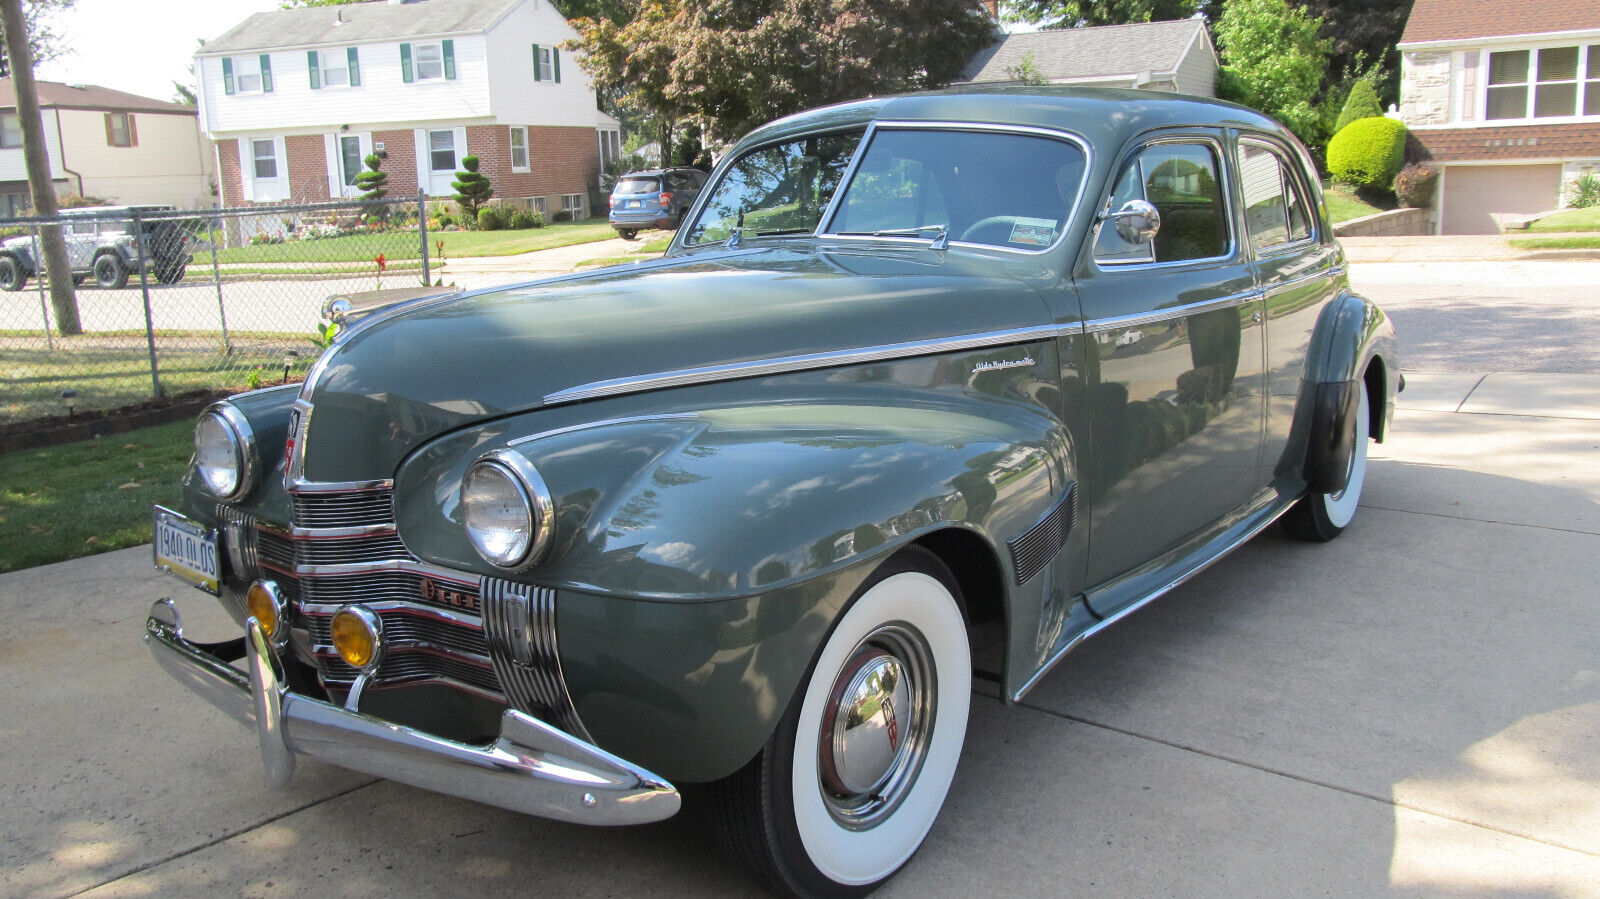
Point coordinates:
[(100, 243)]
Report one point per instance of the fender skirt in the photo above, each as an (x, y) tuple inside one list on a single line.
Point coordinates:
[(1333, 435)]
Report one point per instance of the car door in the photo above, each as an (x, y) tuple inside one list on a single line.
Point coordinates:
[(1296, 265), (1174, 367)]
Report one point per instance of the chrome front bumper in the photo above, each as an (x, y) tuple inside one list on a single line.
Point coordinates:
[(532, 768)]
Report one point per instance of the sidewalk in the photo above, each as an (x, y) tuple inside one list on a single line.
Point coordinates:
[(559, 259), (1453, 248)]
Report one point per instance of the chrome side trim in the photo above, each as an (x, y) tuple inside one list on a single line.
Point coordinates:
[(532, 768), (606, 423), (1161, 315), (786, 364), (520, 622), (1151, 597)]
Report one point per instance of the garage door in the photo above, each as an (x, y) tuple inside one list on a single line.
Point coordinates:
[(1476, 198)]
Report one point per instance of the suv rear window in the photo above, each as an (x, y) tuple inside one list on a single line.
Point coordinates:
[(638, 186)]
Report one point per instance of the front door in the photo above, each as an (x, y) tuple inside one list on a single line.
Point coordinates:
[(1173, 346), (347, 159)]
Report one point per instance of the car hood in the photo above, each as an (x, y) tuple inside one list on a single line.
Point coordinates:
[(416, 374)]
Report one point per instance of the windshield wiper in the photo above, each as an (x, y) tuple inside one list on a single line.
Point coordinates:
[(740, 233), (940, 240)]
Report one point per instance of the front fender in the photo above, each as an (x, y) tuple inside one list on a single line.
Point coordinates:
[(1354, 342)]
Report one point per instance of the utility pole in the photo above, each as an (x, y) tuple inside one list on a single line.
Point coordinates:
[(20, 56)]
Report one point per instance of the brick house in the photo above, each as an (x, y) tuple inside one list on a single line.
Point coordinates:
[(295, 99), (1505, 97), (105, 143), (1164, 56)]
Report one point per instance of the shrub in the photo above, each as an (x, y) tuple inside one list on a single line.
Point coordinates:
[(522, 219), (564, 215), (1367, 153), (374, 182), (1415, 184), (1362, 103), (472, 187), (1586, 191), (489, 219)]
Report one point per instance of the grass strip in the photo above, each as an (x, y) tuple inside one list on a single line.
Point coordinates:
[(1557, 243), (1570, 220), (65, 502), (397, 246)]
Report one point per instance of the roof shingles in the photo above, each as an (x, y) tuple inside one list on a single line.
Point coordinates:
[(377, 20), (1088, 52), (1452, 20)]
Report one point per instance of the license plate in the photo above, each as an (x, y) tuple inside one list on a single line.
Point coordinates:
[(634, 204), (187, 549)]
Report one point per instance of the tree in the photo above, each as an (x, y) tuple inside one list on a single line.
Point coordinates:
[(374, 182), (733, 64), (472, 188), (1273, 60), (1362, 103), (1026, 71), (43, 41), (1362, 34), (1080, 13)]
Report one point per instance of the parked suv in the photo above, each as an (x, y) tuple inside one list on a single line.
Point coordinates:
[(654, 199), (100, 242)]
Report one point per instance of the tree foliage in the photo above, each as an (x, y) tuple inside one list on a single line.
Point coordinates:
[(45, 42), (733, 64), (472, 187), (374, 181), (1274, 61), (1080, 13), (1362, 103), (1362, 34)]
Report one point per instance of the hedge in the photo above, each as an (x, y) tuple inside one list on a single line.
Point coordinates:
[(1368, 152)]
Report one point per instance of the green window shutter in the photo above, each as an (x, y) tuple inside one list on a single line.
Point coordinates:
[(535, 62), (316, 71), (450, 60), (355, 67), (406, 72), (555, 63), (266, 74), (227, 76)]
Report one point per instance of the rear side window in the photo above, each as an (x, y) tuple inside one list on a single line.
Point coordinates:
[(1275, 207), (1180, 181), (914, 182), (638, 186)]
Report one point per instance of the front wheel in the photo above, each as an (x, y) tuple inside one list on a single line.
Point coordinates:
[(109, 272), (11, 274), (851, 781), (1320, 517)]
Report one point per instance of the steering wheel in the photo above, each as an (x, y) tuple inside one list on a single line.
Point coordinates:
[(999, 226)]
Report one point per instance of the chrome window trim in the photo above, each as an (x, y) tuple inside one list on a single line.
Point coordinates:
[(825, 224), (788, 364), (245, 445), (1279, 249), (1224, 183), (1160, 315)]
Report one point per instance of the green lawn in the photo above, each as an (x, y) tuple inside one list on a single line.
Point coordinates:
[(1579, 242), (1344, 205), (85, 498), (650, 249), (1570, 220), (399, 245)]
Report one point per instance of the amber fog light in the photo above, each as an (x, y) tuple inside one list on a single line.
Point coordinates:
[(265, 603), (358, 637)]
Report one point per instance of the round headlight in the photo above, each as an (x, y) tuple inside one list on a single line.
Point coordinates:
[(224, 451), (506, 510)]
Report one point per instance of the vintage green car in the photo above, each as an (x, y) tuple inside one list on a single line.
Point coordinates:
[(930, 388)]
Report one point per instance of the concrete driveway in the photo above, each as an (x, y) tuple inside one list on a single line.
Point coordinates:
[(1413, 709)]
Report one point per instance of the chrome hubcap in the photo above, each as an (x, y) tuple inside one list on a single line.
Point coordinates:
[(876, 725)]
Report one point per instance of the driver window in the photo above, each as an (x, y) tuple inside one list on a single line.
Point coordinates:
[(1180, 181)]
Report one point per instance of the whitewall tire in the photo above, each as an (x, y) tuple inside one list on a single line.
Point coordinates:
[(1324, 516)]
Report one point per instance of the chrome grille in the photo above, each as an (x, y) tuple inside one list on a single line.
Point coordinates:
[(521, 625), (343, 510), (415, 667), (405, 628), (286, 553)]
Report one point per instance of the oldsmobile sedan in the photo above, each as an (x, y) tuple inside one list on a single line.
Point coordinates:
[(929, 389)]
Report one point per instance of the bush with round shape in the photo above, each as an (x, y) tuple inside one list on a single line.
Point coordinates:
[(564, 215), (523, 219), (1416, 183), (489, 219), (1368, 153)]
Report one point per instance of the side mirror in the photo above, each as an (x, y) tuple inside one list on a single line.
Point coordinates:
[(1137, 222)]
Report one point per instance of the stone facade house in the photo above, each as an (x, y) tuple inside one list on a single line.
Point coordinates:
[(105, 143), (1166, 56), (1505, 97), (295, 99)]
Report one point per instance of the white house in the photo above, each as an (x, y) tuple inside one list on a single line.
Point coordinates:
[(1505, 98), (1170, 56), (105, 143), (296, 99)]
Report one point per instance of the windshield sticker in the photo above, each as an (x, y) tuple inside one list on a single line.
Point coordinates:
[(1033, 232)]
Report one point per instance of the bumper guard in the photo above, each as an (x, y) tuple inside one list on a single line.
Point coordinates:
[(532, 768)]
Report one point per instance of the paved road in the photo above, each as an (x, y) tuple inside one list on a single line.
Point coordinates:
[(1413, 709)]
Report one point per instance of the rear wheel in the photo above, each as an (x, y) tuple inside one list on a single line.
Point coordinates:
[(1320, 517), (627, 233), (171, 273), (109, 272), (851, 781), (11, 274)]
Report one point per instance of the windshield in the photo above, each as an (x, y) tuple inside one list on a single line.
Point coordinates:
[(779, 189), (995, 188), (637, 186)]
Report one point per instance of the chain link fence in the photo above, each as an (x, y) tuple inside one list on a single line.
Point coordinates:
[(170, 301)]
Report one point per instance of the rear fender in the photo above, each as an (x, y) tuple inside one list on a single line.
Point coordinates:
[(1354, 343)]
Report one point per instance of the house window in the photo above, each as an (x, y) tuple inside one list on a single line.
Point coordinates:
[(334, 68), (544, 67), (573, 203), (442, 150), (430, 62), (519, 148), (1548, 83), (247, 74), (539, 205), (265, 155), (119, 129), (10, 131)]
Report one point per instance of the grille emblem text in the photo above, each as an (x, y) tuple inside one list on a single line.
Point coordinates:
[(459, 599)]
